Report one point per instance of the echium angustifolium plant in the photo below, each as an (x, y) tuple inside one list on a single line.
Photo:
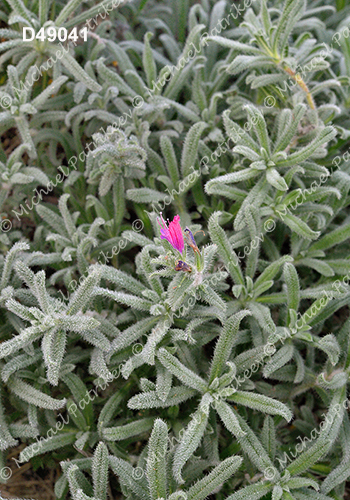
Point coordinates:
[(174, 297)]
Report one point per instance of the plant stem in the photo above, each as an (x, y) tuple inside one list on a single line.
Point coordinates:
[(302, 85)]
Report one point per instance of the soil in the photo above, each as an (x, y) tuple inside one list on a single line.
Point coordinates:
[(25, 483)]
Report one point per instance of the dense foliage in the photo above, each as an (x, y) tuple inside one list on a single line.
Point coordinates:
[(175, 248)]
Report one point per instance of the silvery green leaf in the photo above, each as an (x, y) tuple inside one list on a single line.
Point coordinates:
[(54, 220), (325, 311), (23, 430), (9, 260), (187, 376), (145, 195), (271, 270), (225, 343), (164, 381), (319, 266), (337, 381), (154, 338), (279, 359), (68, 9), (156, 460), (148, 60), (309, 457), (19, 362), (47, 444), (109, 410), (127, 477), (247, 152), (229, 418), (77, 480), (300, 373), (253, 491), (190, 149), (185, 111), (253, 447), (128, 430), (179, 78), (327, 435), (54, 346), (263, 316), (259, 125), (225, 250), (26, 337), (238, 134), (293, 288), (277, 492), (178, 495), (243, 62), (310, 495), (67, 218), (132, 333), (332, 238), (80, 393), (61, 486), (77, 416), (34, 396), (98, 365), (148, 268), (6, 437), (124, 298), (255, 356), (233, 44), (335, 477), (262, 403), (150, 399), (215, 478), (53, 88), (20, 178), (19, 7), (292, 11), (212, 298), (275, 179), (263, 80), (268, 436), (300, 227), (76, 70), (329, 344), (91, 334), (326, 135), (301, 482), (191, 438), (100, 471), (170, 158), (82, 295)]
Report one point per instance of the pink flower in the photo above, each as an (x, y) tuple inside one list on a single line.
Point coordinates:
[(172, 233)]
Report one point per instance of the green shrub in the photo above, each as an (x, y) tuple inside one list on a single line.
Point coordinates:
[(174, 296)]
